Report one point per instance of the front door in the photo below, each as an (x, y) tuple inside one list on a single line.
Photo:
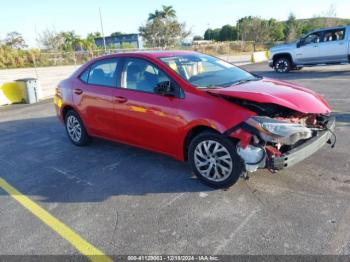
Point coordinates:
[(145, 118), (308, 51)]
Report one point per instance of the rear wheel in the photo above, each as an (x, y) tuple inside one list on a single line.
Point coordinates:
[(283, 65), (76, 130), (214, 160)]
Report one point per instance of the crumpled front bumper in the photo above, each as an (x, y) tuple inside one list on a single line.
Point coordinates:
[(303, 151)]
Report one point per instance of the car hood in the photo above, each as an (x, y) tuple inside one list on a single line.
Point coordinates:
[(277, 92), (282, 47)]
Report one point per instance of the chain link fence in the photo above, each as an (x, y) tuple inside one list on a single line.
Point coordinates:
[(76, 57), (38, 58)]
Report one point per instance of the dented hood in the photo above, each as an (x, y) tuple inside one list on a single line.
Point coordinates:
[(277, 92)]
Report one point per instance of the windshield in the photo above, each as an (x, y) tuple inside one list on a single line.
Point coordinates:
[(205, 71)]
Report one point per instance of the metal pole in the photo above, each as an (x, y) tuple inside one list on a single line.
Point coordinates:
[(103, 34), (34, 63)]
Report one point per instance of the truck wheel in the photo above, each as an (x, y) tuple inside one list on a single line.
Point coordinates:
[(282, 65), (214, 160)]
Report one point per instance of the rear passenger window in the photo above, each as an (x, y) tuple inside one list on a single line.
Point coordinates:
[(103, 73), (334, 35)]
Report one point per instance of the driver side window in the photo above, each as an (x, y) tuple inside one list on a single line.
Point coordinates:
[(141, 75), (312, 38)]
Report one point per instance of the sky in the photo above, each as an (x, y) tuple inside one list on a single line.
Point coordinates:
[(31, 17)]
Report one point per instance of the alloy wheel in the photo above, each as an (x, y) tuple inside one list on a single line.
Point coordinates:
[(74, 128), (282, 65), (213, 161)]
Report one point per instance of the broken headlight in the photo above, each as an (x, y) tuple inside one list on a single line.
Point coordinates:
[(278, 131)]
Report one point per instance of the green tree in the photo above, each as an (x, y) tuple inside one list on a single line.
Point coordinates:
[(15, 40), (244, 28), (116, 34), (154, 16), (94, 35), (90, 41), (208, 34), (71, 41), (50, 40), (254, 29), (228, 33), (212, 34), (162, 28), (198, 38), (276, 30), (292, 29), (166, 13)]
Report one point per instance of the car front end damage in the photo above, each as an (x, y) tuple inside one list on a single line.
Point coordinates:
[(278, 137)]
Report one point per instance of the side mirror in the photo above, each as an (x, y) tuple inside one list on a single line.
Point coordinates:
[(165, 88), (300, 43)]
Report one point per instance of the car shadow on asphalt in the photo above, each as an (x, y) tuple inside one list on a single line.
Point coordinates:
[(37, 158)]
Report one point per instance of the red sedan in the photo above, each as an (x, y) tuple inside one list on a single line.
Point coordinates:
[(197, 108)]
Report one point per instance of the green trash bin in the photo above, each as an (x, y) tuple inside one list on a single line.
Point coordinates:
[(31, 89)]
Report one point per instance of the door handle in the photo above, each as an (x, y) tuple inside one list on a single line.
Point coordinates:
[(121, 99), (78, 91)]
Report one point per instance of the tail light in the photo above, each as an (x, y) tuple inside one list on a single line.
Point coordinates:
[(58, 92), (57, 99)]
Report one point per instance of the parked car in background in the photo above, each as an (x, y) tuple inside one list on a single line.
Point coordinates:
[(221, 119), (325, 46)]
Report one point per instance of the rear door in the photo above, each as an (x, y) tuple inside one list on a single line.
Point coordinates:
[(95, 97), (308, 51), (334, 47)]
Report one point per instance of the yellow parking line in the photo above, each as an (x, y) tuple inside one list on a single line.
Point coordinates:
[(64, 231)]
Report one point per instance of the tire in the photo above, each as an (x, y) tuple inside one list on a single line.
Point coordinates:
[(75, 129), (282, 65), (205, 163)]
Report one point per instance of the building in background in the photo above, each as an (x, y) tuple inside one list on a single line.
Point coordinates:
[(121, 41)]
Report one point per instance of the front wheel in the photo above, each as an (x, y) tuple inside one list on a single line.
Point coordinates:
[(282, 65), (214, 160)]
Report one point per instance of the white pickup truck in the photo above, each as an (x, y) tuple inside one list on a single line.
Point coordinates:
[(319, 47)]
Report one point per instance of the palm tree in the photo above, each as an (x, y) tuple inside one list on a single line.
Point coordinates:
[(156, 15), (168, 11), (70, 39), (165, 13)]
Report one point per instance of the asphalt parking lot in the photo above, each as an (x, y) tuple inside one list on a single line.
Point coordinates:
[(124, 200)]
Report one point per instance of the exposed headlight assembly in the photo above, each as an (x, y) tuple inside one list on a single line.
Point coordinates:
[(278, 131)]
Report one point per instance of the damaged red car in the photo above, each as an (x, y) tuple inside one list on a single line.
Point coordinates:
[(220, 118)]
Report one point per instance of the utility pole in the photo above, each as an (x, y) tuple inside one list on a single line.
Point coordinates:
[(209, 31), (103, 34)]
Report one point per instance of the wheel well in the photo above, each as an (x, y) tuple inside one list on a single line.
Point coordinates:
[(65, 111), (192, 134), (286, 55)]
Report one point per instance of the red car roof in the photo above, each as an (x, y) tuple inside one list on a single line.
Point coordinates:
[(153, 54)]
